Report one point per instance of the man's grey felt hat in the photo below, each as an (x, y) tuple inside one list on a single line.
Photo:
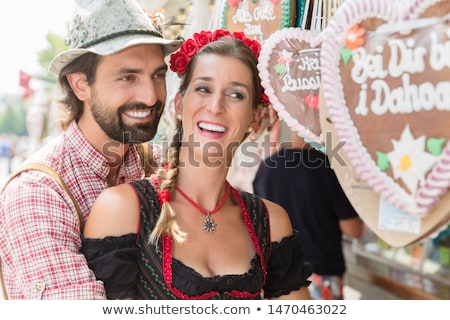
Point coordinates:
[(105, 27)]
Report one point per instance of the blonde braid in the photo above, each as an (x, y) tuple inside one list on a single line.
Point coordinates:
[(166, 222)]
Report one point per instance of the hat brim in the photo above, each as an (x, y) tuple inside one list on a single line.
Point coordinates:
[(112, 46)]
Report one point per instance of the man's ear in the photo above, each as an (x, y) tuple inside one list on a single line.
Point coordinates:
[(79, 84)]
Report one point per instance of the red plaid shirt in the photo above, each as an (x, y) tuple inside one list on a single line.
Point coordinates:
[(39, 226)]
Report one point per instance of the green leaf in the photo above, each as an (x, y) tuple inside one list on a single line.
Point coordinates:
[(280, 68), (382, 161), (346, 55), (435, 145)]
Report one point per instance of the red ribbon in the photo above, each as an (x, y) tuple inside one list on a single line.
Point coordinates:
[(164, 196)]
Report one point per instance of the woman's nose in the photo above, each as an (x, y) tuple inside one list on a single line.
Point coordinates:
[(216, 104)]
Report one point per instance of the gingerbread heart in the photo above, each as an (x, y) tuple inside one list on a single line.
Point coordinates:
[(385, 79), (258, 19), (289, 68)]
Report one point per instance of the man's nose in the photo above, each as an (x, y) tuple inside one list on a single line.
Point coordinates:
[(147, 93)]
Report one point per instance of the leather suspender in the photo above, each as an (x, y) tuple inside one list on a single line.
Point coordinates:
[(51, 172)]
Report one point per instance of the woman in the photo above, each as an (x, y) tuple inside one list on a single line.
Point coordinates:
[(185, 233)]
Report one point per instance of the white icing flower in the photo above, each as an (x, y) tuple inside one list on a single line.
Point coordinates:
[(409, 160), (285, 57)]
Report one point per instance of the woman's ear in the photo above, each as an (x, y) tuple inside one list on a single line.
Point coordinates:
[(79, 84), (257, 118), (178, 104)]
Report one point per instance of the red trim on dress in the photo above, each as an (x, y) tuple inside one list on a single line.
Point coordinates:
[(167, 259), (139, 206)]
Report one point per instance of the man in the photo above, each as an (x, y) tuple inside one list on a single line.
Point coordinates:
[(113, 78), (299, 178)]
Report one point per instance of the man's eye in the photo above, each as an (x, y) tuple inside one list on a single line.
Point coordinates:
[(159, 76), (127, 78)]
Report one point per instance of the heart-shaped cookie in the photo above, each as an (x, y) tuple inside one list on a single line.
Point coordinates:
[(289, 68), (386, 86), (258, 19)]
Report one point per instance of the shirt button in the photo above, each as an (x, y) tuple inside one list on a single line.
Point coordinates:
[(103, 167), (37, 287)]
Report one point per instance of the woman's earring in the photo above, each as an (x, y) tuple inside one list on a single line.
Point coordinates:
[(178, 116)]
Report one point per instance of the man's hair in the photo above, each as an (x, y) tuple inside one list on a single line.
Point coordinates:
[(72, 107)]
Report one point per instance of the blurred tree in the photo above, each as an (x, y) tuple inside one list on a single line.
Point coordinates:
[(45, 56), (12, 120), (13, 114)]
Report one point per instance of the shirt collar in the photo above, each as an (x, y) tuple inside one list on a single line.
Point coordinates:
[(130, 169)]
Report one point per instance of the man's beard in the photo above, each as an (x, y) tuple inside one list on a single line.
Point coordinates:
[(111, 122)]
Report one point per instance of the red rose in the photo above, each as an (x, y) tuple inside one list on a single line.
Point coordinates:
[(254, 45), (264, 98), (202, 38), (179, 62), (190, 47), (220, 33), (239, 35)]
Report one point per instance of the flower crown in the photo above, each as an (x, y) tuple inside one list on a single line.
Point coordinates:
[(180, 59)]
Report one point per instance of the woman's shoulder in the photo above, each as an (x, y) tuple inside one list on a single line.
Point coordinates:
[(115, 212), (280, 223)]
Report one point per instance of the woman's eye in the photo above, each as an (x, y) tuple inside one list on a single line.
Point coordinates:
[(237, 95), (203, 89)]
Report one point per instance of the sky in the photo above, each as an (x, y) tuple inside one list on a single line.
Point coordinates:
[(23, 27)]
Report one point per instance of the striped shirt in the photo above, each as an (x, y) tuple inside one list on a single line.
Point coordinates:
[(39, 225)]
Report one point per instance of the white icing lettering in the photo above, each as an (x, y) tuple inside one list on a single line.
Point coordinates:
[(309, 62), (291, 84), (264, 13), (439, 53), (242, 16), (366, 66), (409, 97), (362, 109), (379, 105), (405, 57), (251, 29), (442, 95), (426, 97)]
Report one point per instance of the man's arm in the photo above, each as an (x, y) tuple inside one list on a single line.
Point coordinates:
[(41, 241), (353, 227)]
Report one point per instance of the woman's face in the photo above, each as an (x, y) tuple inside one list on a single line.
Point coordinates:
[(217, 107)]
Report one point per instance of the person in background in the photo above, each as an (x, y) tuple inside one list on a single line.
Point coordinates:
[(7, 152), (113, 81), (185, 232), (300, 179)]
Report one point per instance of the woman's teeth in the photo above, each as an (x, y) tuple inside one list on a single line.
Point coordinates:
[(211, 127)]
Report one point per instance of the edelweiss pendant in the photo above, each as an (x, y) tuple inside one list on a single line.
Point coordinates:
[(208, 224)]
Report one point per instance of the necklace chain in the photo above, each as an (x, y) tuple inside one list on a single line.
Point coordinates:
[(208, 224)]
